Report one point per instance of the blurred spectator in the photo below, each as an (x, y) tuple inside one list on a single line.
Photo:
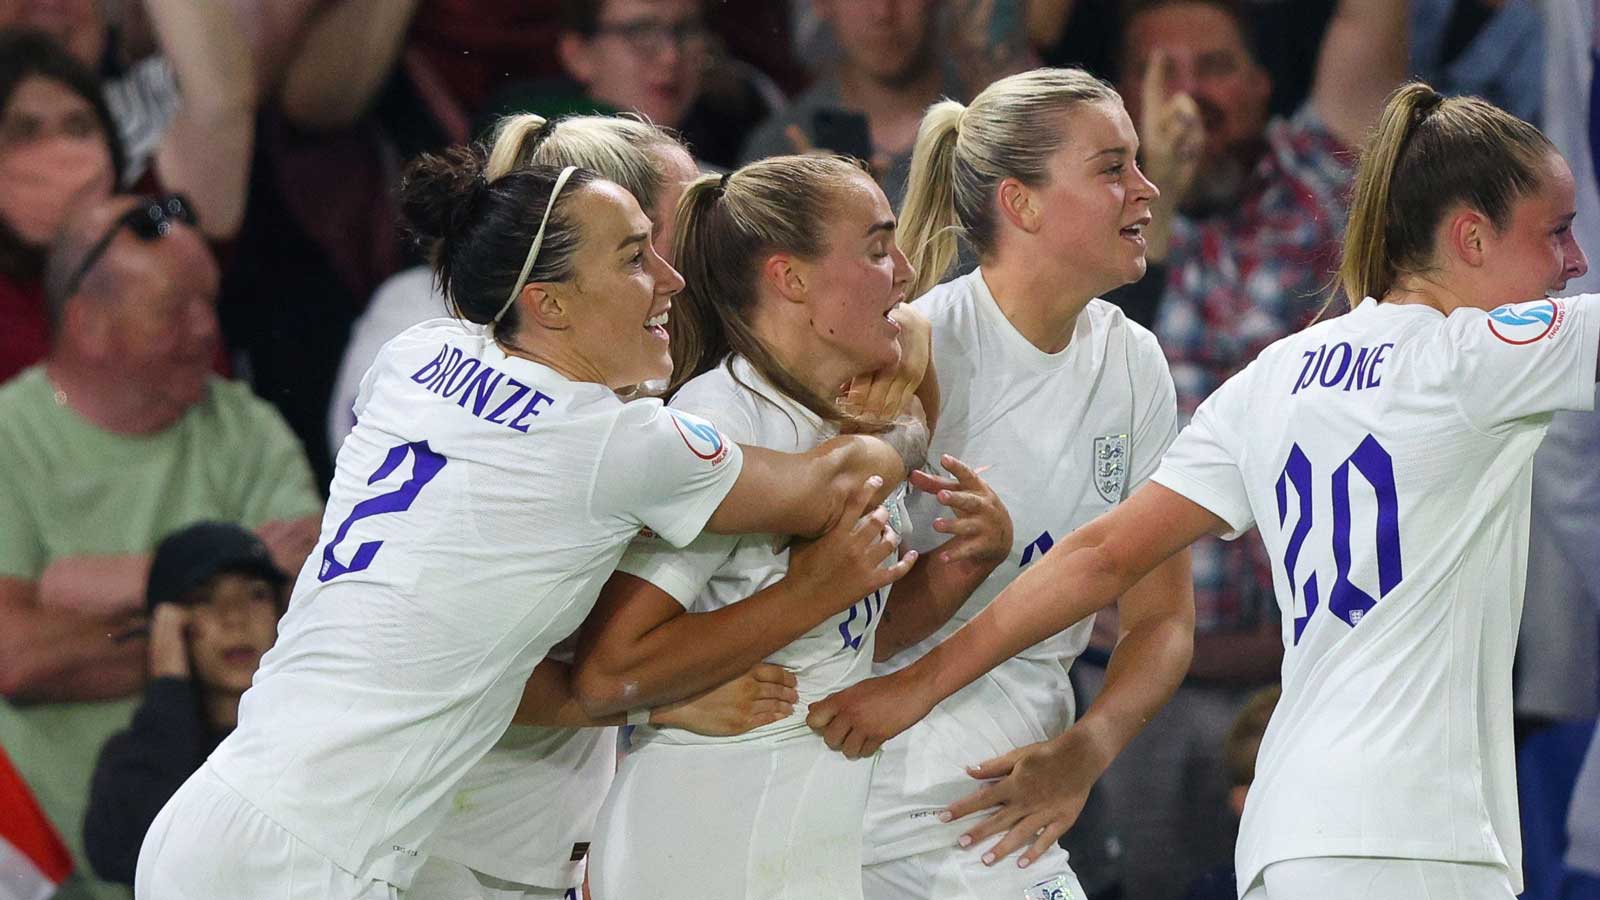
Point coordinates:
[(1488, 48), (199, 142), (869, 97), (656, 58), (120, 437), (1244, 244), (58, 146), (1239, 753), (213, 598)]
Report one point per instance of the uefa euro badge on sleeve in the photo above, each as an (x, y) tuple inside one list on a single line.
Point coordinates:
[(1060, 887), (1111, 466)]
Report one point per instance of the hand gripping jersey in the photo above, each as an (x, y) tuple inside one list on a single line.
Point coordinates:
[(774, 812), (1066, 436), (719, 570), (1386, 458), (476, 509)]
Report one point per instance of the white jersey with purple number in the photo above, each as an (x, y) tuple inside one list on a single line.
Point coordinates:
[(477, 508), (718, 570), (1064, 436), (1386, 458)]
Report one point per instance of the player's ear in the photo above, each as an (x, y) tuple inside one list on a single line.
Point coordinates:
[(547, 308), (1466, 234)]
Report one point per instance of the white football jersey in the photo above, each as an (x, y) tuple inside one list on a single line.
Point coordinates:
[(719, 570), (1065, 437), (476, 510), (1386, 458), (561, 773)]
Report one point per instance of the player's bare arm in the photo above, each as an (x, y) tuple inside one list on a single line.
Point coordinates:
[(640, 648), (1084, 573)]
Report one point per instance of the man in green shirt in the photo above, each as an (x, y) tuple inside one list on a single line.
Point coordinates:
[(121, 436)]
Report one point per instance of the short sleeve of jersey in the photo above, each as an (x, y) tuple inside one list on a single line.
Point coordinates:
[(1203, 462), (1155, 402), (665, 469), (682, 573), (1519, 360)]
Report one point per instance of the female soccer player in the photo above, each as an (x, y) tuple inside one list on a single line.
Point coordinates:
[(490, 486), (792, 271), (489, 846), (1071, 406), (1385, 456)]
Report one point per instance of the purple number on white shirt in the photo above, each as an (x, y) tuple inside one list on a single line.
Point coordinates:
[(865, 610), (427, 465), (1347, 601)]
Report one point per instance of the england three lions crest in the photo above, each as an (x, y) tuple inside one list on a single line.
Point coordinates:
[(1111, 466)]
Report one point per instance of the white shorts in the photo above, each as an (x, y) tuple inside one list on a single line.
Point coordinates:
[(737, 821), (1366, 878), (956, 874), (441, 879), (208, 842)]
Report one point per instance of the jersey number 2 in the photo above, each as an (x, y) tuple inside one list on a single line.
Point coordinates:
[(1346, 600), (427, 465)]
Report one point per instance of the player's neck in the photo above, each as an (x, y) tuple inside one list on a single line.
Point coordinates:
[(1036, 302), (802, 354), (1438, 293)]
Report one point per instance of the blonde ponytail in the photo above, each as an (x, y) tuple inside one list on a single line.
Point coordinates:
[(928, 227)]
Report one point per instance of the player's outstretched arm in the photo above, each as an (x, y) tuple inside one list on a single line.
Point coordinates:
[(640, 648), (1085, 572), (1038, 791), (805, 493), (762, 695)]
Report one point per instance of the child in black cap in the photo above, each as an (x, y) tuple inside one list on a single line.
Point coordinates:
[(214, 597)]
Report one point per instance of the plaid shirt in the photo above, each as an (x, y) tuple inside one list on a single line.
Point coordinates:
[(1237, 283)]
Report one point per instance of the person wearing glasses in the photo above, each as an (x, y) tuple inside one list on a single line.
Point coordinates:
[(491, 484), (123, 435)]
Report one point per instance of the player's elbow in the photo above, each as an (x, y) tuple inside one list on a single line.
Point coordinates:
[(603, 692)]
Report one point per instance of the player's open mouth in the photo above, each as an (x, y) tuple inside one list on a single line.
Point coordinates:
[(1135, 232), (657, 324)]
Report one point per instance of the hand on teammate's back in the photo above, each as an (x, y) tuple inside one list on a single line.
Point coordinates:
[(761, 696), (847, 563), (1040, 791)]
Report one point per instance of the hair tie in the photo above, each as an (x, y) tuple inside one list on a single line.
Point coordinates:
[(722, 184), (538, 240)]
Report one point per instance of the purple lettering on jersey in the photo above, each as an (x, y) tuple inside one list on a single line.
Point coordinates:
[(532, 409), (1329, 376), (1377, 360), (517, 394), (479, 389), (445, 370), (458, 378), (1358, 372), (424, 374), (1313, 358)]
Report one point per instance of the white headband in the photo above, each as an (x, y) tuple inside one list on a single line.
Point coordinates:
[(538, 239)]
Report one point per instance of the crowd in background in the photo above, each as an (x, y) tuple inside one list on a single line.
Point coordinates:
[(200, 255)]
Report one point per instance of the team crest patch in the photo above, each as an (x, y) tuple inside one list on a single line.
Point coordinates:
[(1524, 323), (1111, 466), (1057, 888)]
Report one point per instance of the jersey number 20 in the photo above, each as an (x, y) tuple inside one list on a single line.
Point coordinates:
[(1346, 600), (427, 465)]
